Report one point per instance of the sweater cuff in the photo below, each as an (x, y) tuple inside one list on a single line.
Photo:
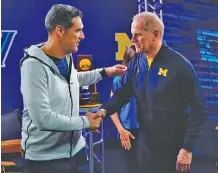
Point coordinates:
[(187, 147), (86, 123)]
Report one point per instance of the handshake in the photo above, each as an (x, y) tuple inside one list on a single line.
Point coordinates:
[(95, 119)]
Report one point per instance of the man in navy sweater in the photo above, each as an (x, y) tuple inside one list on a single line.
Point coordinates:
[(170, 107)]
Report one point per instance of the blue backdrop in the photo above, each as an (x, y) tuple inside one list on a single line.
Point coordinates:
[(190, 27), (23, 25), (102, 19)]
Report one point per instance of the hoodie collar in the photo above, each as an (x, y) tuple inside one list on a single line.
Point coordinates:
[(35, 51)]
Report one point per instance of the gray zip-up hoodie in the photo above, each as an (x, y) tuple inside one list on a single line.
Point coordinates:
[(51, 123)]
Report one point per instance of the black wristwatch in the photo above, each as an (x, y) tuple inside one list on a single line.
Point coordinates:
[(103, 73)]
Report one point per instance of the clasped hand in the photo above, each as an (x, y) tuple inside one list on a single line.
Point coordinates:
[(95, 119)]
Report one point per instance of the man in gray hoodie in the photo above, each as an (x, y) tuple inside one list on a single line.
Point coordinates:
[(51, 130)]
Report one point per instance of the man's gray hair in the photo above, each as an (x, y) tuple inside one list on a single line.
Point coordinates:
[(151, 22), (61, 14)]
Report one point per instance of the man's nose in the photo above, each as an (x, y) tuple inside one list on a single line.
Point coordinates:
[(82, 36), (133, 40)]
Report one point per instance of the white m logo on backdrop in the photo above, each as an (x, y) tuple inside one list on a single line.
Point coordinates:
[(7, 40)]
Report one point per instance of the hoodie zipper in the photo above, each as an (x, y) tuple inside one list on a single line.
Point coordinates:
[(71, 99), (71, 140), (71, 114), (71, 111), (71, 108)]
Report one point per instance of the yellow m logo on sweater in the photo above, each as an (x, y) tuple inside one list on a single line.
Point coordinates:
[(162, 72)]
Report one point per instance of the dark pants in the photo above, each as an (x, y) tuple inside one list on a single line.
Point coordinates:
[(130, 156), (158, 155), (67, 165)]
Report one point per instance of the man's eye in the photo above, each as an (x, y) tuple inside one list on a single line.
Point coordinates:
[(138, 35)]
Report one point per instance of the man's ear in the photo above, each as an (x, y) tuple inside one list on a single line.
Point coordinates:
[(59, 30), (157, 34)]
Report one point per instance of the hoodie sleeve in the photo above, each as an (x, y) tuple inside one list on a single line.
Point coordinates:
[(89, 77), (198, 112), (35, 97)]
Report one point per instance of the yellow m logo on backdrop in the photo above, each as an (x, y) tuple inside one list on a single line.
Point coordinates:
[(123, 41), (163, 72)]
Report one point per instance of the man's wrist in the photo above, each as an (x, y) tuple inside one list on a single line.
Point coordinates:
[(103, 73), (104, 112), (120, 128), (187, 148), (86, 123)]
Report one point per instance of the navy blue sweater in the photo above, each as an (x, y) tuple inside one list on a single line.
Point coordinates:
[(168, 97)]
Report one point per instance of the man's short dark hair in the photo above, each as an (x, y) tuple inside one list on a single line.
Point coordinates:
[(61, 14)]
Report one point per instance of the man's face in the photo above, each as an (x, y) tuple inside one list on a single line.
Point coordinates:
[(142, 39), (71, 37)]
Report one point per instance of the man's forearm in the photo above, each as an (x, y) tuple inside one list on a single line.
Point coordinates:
[(196, 121), (89, 77), (116, 121), (196, 103), (117, 101)]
